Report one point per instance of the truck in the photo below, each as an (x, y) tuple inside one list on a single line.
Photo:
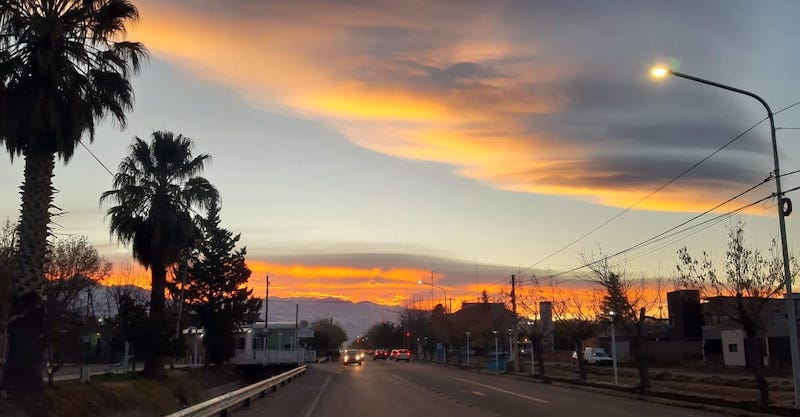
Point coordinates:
[(597, 356)]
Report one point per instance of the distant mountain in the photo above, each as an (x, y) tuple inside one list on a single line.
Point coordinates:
[(355, 318)]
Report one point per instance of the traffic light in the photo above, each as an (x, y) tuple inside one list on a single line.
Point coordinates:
[(408, 334)]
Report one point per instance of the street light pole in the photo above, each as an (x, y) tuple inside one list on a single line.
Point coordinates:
[(444, 303), (496, 354), (614, 348), (787, 278), (467, 349), (510, 345)]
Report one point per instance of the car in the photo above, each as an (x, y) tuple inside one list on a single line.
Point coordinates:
[(393, 354), (352, 356), (380, 354), (403, 355)]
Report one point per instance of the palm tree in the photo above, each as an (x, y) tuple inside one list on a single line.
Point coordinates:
[(155, 189), (62, 69)]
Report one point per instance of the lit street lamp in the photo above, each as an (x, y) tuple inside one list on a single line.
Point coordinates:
[(614, 346), (444, 303), (661, 72)]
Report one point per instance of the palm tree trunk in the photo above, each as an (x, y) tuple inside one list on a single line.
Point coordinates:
[(153, 361), (23, 371)]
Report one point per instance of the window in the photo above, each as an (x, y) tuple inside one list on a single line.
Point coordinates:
[(733, 347)]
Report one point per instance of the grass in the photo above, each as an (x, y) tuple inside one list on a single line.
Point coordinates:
[(120, 395)]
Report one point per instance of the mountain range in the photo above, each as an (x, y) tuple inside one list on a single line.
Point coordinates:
[(354, 318)]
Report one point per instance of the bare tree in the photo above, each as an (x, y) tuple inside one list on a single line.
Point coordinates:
[(751, 278), (578, 319), (73, 269), (530, 295)]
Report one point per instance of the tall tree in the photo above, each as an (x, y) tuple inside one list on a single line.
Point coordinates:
[(63, 66), (215, 286), (328, 337), (624, 302), (750, 278), (154, 191)]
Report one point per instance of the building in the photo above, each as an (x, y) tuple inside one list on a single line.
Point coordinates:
[(286, 342), (685, 315), (481, 320), (724, 339)]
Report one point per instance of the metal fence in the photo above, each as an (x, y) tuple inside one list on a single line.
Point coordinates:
[(241, 397)]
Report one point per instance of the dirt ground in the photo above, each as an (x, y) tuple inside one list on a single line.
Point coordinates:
[(121, 395), (732, 385)]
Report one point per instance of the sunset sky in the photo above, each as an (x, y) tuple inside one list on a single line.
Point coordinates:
[(360, 145)]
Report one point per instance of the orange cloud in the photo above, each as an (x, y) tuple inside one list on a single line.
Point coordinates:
[(290, 57)]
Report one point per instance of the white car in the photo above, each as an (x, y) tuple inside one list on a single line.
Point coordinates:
[(402, 355)]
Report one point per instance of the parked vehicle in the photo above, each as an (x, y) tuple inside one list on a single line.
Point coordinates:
[(352, 356), (597, 356)]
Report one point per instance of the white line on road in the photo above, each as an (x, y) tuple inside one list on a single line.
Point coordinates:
[(478, 393), (527, 397), (316, 399)]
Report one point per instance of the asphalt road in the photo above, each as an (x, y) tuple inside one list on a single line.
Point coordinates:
[(402, 389)]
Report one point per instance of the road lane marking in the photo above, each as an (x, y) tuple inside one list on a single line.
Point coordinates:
[(527, 397), (478, 393), (316, 399)]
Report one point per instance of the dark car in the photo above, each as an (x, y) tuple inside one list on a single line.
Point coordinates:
[(380, 354), (352, 356)]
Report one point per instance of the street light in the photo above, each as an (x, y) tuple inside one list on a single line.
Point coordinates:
[(510, 345), (467, 349), (444, 304), (661, 72), (496, 354), (614, 346)]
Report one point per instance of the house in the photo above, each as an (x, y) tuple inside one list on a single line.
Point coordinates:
[(481, 320), (286, 342), (724, 338)]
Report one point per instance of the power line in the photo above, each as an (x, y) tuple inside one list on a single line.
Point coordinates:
[(96, 158), (623, 251), (616, 216)]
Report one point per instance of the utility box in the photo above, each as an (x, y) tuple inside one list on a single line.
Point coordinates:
[(496, 363)]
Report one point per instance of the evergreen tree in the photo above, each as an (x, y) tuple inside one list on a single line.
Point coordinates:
[(215, 286)]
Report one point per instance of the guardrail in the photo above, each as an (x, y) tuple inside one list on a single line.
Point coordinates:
[(243, 396)]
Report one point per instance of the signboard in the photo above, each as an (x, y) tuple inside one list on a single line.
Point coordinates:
[(305, 333)]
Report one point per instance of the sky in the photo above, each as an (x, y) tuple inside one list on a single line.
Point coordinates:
[(361, 146)]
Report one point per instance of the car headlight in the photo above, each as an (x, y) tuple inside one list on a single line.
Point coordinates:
[(346, 357)]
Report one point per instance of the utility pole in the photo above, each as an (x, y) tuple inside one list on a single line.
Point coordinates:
[(266, 323), (513, 347), (433, 301)]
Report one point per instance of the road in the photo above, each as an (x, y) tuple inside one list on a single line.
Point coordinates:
[(390, 389)]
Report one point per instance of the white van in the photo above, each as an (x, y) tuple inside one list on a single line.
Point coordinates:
[(597, 356)]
